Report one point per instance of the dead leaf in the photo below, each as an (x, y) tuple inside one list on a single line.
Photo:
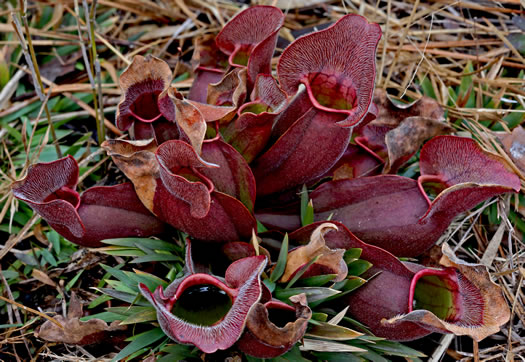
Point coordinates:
[(43, 277), (191, 121), (60, 67), (392, 114), (514, 145), (151, 358), (330, 260), (110, 68), (56, 19), (338, 317), (493, 247), (431, 257), (327, 346), (192, 116), (39, 234), (400, 129), (230, 91), (137, 160), (264, 338), (403, 141), (83, 259), (75, 331)]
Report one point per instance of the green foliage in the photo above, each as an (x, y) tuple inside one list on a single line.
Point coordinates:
[(307, 208), (466, 98), (281, 261), (358, 267), (123, 289), (139, 342), (179, 352)]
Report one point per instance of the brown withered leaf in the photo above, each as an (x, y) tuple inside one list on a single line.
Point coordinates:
[(330, 260), (191, 121), (137, 160), (191, 116), (264, 336), (62, 67), (391, 114), (404, 140), (151, 358), (230, 92), (43, 277), (514, 145), (431, 257), (310, 344), (400, 129), (75, 331), (83, 259), (38, 230)]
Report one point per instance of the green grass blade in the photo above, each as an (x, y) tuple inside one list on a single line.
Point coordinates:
[(281, 261), (140, 341)]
